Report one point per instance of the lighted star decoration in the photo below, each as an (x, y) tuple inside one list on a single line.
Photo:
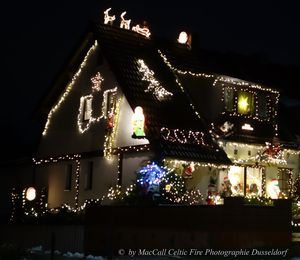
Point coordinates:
[(96, 82), (243, 104)]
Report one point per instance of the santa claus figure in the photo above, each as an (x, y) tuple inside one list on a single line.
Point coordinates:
[(188, 171)]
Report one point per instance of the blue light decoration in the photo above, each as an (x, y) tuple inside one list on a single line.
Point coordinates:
[(150, 177)]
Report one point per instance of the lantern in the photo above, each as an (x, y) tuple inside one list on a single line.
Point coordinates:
[(183, 38), (30, 193)]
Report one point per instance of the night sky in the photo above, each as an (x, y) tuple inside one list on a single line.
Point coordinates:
[(38, 37)]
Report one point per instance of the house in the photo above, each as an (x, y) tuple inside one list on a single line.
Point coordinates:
[(126, 101)]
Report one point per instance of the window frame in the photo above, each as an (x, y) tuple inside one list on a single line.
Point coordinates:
[(68, 177)]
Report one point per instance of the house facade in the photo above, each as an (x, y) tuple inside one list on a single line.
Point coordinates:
[(127, 101)]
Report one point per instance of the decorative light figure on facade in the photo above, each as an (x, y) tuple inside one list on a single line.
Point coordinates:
[(141, 30), (84, 126), (96, 82), (108, 19), (154, 86), (247, 127), (124, 23), (182, 136), (138, 123), (243, 105)]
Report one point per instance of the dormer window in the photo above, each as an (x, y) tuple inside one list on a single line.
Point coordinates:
[(247, 103)]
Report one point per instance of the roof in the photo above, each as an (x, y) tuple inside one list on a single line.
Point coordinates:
[(122, 49)]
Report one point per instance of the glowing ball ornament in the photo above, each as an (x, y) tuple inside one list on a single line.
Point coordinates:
[(30, 194), (183, 38)]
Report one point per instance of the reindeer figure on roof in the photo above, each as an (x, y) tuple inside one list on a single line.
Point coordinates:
[(107, 18), (124, 23)]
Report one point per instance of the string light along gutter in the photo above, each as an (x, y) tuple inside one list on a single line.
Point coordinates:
[(166, 61), (175, 163), (217, 78), (68, 89)]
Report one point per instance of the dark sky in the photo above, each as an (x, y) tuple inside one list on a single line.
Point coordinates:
[(37, 37)]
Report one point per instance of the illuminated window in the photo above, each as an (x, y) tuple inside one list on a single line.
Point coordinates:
[(228, 99), (283, 178), (88, 182), (87, 108), (69, 172), (254, 181), (245, 103), (232, 183)]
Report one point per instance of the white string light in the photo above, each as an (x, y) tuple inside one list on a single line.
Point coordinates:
[(108, 19), (141, 30), (83, 125), (109, 139), (182, 136), (124, 23), (154, 86), (69, 88)]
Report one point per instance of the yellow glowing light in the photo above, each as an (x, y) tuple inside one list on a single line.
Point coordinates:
[(168, 187), (183, 38), (30, 193), (243, 104)]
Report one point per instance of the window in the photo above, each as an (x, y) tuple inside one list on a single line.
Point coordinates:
[(283, 177), (262, 106), (87, 108), (68, 183), (228, 98), (254, 181), (245, 103), (234, 181), (88, 182)]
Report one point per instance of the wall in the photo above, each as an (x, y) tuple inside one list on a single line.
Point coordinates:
[(63, 136), (105, 175), (200, 179)]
